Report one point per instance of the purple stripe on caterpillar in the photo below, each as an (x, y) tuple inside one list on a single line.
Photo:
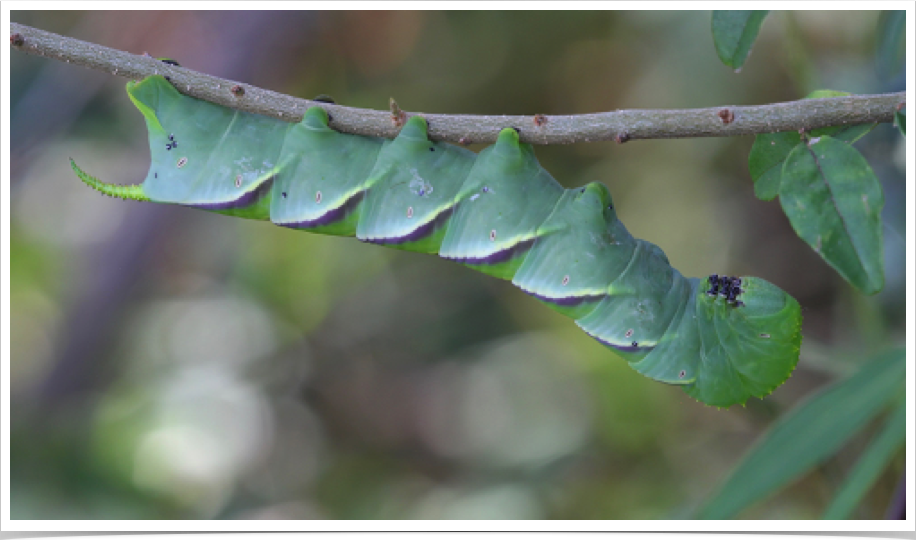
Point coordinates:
[(497, 257), (331, 216), (247, 199), (421, 232)]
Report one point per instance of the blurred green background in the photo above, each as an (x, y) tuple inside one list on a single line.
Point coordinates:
[(172, 363)]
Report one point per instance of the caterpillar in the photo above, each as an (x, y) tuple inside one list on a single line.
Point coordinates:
[(722, 339)]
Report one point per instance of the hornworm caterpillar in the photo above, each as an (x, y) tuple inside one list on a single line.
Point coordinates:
[(722, 339)]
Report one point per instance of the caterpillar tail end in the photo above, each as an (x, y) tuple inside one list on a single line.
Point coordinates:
[(131, 192)]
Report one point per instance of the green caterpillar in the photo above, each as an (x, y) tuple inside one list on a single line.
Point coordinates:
[(499, 212)]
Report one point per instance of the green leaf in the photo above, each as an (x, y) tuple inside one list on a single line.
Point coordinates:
[(833, 201), (890, 51), (769, 152), (766, 160), (900, 121), (734, 33), (869, 466), (810, 434)]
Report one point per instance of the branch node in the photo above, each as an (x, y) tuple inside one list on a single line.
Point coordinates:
[(398, 117), (727, 116), (622, 137), (237, 90), (540, 120), (16, 40)]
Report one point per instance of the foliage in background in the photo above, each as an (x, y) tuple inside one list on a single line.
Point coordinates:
[(734, 33), (814, 431)]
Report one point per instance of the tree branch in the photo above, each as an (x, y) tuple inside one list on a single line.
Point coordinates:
[(620, 126)]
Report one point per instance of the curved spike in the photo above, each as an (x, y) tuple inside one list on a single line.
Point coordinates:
[(133, 192)]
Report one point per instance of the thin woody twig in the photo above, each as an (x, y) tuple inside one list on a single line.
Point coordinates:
[(620, 126)]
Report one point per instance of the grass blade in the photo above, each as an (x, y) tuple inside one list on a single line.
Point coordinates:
[(809, 435), (869, 466)]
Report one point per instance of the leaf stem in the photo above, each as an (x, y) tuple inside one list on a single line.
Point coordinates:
[(620, 125)]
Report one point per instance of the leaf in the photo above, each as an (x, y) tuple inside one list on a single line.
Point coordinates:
[(833, 201), (769, 152), (900, 121), (890, 50), (766, 160), (869, 466), (734, 33), (809, 435)]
